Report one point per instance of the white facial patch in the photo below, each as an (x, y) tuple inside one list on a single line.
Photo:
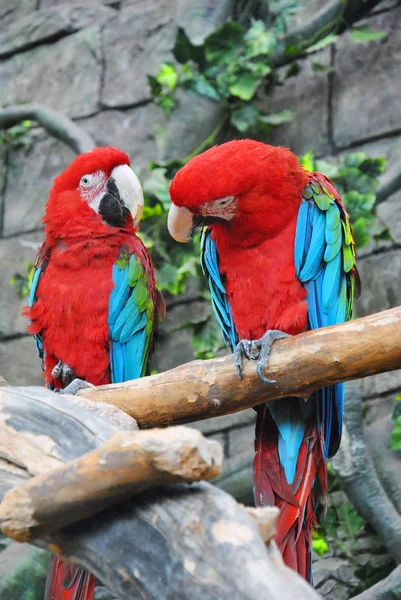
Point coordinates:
[(130, 190), (224, 208), (91, 188)]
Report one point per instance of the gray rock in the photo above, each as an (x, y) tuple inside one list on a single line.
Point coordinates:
[(236, 420), (19, 362), (366, 99), (131, 130), (65, 75), (136, 41), (334, 568), (29, 178), (387, 461), (307, 95), (10, 10), (380, 274), (45, 24), (380, 407), (14, 252), (390, 213), (240, 439), (199, 18)]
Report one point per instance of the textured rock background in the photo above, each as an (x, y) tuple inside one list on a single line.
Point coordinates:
[(90, 60)]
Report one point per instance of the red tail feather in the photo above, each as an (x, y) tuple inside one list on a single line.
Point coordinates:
[(65, 582), (296, 501)]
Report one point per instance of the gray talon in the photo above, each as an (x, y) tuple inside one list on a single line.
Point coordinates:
[(74, 387), (257, 350)]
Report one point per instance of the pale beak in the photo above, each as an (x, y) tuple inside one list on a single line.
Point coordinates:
[(180, 223), (130, 190)]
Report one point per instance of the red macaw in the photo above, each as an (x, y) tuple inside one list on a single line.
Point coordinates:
[(279, 256), (93, 303)]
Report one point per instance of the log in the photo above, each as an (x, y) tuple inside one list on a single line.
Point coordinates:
[(300, 365), (128, 463), (182, 541)]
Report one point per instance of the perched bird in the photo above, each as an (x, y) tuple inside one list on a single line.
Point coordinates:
[(93, 303), (278, 252)]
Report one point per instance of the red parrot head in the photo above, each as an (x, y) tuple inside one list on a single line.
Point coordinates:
[(245, 189), (97, 192)]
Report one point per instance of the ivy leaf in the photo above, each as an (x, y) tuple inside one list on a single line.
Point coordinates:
[(365, 34), (395, 442), (319, 544), (221, 45), (244, 117), (206, 339), (326, 41), (359, 229), (285, 116), (184, 50), (245, 85), (259, 40), (308, 161), (202, 86)]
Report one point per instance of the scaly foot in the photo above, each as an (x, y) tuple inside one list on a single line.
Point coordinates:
[(257, 350), (67, 376)]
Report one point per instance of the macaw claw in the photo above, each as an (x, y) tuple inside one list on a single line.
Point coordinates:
[(257, 350), (74, 387)]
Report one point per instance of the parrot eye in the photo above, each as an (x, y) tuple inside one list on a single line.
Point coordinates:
[(225, 201), (86, 181)]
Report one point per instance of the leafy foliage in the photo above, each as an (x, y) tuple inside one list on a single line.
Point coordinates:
[(18, 136), (232, 64), (356, 178), (20, 281), (395, 442)]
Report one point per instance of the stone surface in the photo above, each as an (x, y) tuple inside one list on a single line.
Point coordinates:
[(136, 41), (236, 420), (131, 130), (199, 18), (366, 98), (241, 438), (380, 276), (307, 95), (19, 362), (29, 178), (65, 75), (390, 214), (11, 10), (48, 23), (14, 254), (378, 385)]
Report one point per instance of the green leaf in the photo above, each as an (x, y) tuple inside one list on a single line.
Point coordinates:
[(365, 34), (167, 76), (285, 116), (184, 50), (245, 86), (397, 408), (206, 339), (395, 442), (244, 117), (327, 41), (361, 236), (202, 86), (259, 40), (326, 168), (221, 46), (308, 161), (319, 544)]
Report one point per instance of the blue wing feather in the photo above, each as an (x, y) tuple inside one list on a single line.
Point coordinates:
[(128, 323), (220, 302)]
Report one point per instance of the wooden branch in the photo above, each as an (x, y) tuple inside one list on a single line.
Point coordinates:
[(178, 541), (354, 468), (129, 463), (202, 389), (333, 17), (55, 123)]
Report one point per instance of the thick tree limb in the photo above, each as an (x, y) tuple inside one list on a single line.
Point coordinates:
[(384, 590), (57, 124), (300, 365), (334, 17), (128, 463), (354, 468), (179, 542)]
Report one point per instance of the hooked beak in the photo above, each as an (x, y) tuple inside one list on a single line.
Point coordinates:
[(123, 196), (181, 222)]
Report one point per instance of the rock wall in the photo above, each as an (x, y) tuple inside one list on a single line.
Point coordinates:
[(89, 59)]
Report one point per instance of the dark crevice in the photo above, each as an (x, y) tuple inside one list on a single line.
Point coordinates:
[(180, 301), (330, 77), (22, 233), (374, 138), (3, 195), (51, 39), (13, 336), (126, 106), (377, 251), (392, 390)]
